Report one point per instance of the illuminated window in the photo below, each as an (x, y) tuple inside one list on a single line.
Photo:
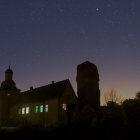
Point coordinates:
[(36, 109), (27, 110), (64, 106), (20, 111), (46, 108), (23, 110), (41, 108)]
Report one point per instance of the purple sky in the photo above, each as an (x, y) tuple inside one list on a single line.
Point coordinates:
[(45, 40)]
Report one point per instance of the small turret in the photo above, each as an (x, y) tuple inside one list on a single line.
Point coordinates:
[(8, 83), (8, 74)]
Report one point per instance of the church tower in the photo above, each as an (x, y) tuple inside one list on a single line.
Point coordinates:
[(8, 95), (88, 84)]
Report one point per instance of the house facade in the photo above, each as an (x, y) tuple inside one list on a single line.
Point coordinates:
[(46, 105)]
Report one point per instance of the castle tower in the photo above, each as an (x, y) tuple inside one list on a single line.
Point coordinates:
[(8, 95), (88, 84)]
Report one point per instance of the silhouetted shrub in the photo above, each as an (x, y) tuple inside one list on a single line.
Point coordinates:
[(85, 115), (113, 116), (132, 109)]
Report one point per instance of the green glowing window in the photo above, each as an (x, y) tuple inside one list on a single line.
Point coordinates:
[(41, 108), (36, 109), (23, 110), (27, 110), (46, 108)]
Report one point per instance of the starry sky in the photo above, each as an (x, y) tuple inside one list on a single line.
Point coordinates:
[(45, 40)]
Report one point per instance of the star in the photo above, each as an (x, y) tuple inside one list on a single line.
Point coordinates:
[(97, 9)]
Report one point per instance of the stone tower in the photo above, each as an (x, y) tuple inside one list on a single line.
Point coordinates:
[(88, 84), (8, 94)]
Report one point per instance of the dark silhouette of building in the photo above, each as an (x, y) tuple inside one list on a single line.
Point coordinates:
[(87, 107), (8, 95), (52, 104), (88, 84)]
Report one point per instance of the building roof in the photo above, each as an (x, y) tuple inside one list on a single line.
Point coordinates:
[(87, 64), (89, 69), (51, 91)]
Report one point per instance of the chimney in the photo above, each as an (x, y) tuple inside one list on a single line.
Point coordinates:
[(53, 82)]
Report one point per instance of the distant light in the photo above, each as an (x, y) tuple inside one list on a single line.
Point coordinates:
[(97, 9)]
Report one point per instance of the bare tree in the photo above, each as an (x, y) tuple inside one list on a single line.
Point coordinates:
[(138, 95), (111, 96)]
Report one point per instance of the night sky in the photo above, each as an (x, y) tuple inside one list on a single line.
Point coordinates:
[(45, 40)]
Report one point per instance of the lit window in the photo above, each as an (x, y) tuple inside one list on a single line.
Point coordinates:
[(46, 108), (64, 106), (41, 108), (20, 111), (23, 110), (36, 109), (27, 110)]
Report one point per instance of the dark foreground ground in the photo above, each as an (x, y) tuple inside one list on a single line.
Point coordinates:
[(71, 132)]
